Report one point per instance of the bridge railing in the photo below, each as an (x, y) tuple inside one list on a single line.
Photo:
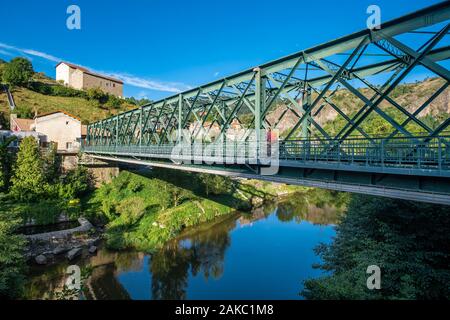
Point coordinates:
[(410, 152), (414, 152)]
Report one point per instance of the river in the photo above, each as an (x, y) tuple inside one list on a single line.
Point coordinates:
[(264, 255)]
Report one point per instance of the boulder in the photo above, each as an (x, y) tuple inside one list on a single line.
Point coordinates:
[(59, 250), (92, 249), (93, 242), (41, 259), (72, 254)]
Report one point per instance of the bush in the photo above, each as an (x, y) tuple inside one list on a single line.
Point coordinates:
[(113, 102), (24, 112), (97, 94), (12, 261), (43, 212), (76, 184), (62, 91), (215, 184), (56, 90), (18, 72), (6, 161), (131, 209)]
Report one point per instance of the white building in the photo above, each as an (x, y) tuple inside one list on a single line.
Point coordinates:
[(81, 78), (59, 127)]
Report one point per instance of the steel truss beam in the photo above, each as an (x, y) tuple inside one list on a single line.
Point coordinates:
[(303, 85)]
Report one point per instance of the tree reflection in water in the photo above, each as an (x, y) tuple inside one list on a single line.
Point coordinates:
[(198, 251), (202, 252), (322, 207)]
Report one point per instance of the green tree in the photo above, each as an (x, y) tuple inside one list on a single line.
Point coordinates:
[(76, 183), (6, 159), (28, 180), (4, 122), (12, 261), (18, 72), (215, 184), (52, 163), (408, 240)]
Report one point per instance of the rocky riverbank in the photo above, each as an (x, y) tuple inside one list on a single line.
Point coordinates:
[(50, 247)]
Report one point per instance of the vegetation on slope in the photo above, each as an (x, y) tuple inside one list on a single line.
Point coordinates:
[(144, 210), (35, 93), (33, 189)]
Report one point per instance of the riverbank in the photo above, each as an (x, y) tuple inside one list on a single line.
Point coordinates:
[(215, 259)]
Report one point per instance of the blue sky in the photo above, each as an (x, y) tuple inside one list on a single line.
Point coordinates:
[(161, 46)]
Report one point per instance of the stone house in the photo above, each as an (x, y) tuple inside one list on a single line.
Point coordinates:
[(81, 78)]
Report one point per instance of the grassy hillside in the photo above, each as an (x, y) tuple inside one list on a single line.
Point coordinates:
[(85, 109)]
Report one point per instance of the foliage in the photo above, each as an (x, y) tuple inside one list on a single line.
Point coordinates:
[(12, 262), (4, 122), (97, 94), (131, 209), (215, 184), (52, 163), (28, 181), (6, 160), (76, 183), (24, 112), (58, 90), (409, 241), (113, 102), (46, 211), (145, 210), (138, 102), (18, 72)]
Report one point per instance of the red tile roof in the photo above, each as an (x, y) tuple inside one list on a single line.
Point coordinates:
[(23, 124), (60, 111)]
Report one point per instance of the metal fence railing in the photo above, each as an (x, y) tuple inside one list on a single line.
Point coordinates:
[(412, 152)]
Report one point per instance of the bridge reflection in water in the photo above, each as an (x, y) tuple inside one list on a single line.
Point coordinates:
[(410, 161)]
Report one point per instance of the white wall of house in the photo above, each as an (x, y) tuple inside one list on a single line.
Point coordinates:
[(63, 72), (60, 128)]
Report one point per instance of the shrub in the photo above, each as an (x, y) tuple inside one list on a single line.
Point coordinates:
[(97, 94), (131, 209), (24, 112), (12, 261), (113, 102), (75, 184)]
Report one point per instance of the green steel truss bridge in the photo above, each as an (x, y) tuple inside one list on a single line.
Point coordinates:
[(410, 159)]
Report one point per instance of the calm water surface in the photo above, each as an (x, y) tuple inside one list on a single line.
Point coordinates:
[(263, 255)]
